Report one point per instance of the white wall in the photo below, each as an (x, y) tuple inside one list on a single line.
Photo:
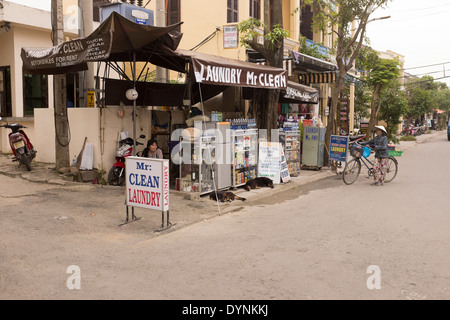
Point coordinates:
[(101, 127)]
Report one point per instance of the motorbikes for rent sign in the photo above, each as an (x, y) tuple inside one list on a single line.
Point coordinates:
[(70, 54), (147, 183)]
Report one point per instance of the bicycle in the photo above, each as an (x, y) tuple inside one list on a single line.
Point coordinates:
[(360, 154)]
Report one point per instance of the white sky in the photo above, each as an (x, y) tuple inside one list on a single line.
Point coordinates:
[(40, 4), (417, 29)]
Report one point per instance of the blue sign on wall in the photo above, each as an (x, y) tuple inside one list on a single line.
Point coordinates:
[(338, 148), (140, 21)]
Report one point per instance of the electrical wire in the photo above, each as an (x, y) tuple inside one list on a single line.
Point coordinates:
[(422, 9), (423, 81), (418, 17), (430, 65), (208, 38), (424, 74)]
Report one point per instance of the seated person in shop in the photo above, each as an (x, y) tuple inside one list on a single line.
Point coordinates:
[(152, 150)]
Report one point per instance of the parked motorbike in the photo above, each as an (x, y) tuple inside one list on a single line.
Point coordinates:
[(116, 175), (20, 144)]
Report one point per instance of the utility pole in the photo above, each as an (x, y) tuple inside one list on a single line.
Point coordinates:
[(86, 27), (160, 21), (60, 93)]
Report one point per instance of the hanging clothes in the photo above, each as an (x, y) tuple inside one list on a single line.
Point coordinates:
[(285, 108)]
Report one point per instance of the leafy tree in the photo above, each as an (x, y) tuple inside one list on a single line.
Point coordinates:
[(311, 50), (442, 97), (393, 104), (364, 61), (264, 105), (383, 71), (349, 23), (362, 101), (419, 95)]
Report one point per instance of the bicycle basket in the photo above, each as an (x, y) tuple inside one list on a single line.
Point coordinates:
[(366, 152), (356, 151)]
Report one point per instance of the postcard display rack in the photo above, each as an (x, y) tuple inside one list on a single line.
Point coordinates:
[(290, 138), (245, 149), (197, 176)]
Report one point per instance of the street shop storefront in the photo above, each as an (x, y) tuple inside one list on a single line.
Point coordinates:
[(212, 146), (298, 107), (222, 153), (215, 148), (117, 42), (169, 110), (317, 73)]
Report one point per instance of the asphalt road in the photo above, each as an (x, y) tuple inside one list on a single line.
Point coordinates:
[(326, 240)]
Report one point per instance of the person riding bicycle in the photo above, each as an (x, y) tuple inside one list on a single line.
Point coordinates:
[(380, 144)]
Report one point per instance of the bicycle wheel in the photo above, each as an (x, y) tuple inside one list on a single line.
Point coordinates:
[(351, 171), (391, 170)]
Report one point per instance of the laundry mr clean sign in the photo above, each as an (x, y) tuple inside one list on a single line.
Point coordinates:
[(147, 183)]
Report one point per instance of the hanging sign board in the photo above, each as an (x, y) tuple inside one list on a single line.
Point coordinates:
[(147, 183), (269, 162), (338, 148), (74, 53), (228, 72), (230, 37)]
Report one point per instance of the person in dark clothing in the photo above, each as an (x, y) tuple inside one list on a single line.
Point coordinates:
[(152, 150), (380, 144)]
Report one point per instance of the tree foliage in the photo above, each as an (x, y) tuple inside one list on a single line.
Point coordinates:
[(250, 30), (393, 106), (264, 103), (311, 50), (382, 73), (347, 19), (419, 98)]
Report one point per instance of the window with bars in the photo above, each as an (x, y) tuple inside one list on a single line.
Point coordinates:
[(255, 9), (232, 11)]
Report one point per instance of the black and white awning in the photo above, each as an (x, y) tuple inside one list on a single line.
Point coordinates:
[(310, 78)]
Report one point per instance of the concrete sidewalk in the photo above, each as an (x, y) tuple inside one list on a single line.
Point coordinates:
[(45, 172), (185, 208)]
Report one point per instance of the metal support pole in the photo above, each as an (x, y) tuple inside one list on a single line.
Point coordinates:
[(134, 104)]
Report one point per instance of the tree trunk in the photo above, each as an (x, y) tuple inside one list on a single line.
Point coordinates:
[(373, 111), (332, 118), (60, 94), (267, 110)]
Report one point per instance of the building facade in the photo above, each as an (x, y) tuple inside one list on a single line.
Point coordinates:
[(206, 28)]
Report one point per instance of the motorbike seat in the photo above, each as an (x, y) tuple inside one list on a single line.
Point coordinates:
[(353, 138)]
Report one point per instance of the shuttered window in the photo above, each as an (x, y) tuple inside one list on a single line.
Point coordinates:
[(255, 9), (173, 12), (232, 11)]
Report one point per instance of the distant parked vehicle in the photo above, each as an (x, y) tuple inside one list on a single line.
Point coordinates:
[(448, 130)]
